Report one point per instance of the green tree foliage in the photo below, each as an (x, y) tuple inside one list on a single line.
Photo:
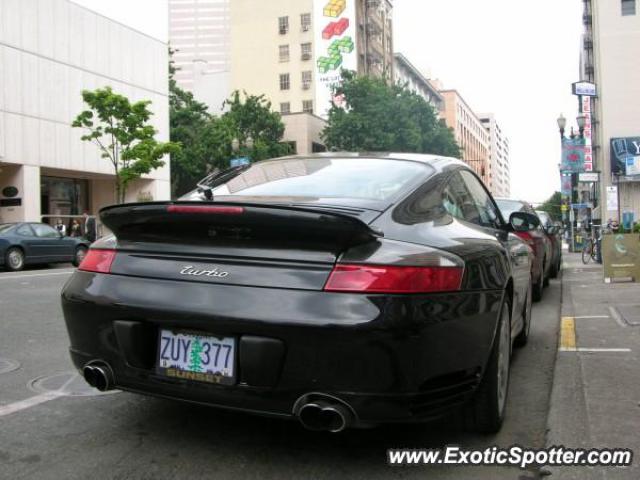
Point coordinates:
[(553, 206), (382, 117), (122, 132)]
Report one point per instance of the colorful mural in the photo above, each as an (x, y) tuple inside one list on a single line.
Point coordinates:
[(335, 8)]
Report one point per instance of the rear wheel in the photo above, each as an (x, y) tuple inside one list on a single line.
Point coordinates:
[(538, 288), (79, 255), (486, 412), (545, 283), (587, 252), (555, 268), (14, 259), (523, 337)]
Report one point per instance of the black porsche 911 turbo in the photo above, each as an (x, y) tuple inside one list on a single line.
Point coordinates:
[(337, 289)]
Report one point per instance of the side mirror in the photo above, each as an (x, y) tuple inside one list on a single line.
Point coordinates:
[(552, 230), (523, 221)]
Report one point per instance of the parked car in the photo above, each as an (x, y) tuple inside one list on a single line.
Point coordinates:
[(554, 233), (536, 239), (31, 243), (337, 289)]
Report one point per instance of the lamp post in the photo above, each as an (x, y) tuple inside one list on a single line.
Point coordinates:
[(566, 202)]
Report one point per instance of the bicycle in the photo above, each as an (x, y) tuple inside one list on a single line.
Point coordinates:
[(590, 250)]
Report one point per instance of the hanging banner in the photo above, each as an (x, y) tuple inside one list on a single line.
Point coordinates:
[(612, 198), (588, 133), (565, 185), (573, 155)]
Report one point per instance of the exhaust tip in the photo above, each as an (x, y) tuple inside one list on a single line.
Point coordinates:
[(324, 416), (99, 376)]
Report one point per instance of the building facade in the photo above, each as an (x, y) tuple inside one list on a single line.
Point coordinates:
[(50, 52), (200, 37), (290, 51), (407, 74), (611, 49), (470, 133), (499, 160)]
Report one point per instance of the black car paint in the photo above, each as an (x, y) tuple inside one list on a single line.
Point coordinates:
[(39, 250), (390, 357)]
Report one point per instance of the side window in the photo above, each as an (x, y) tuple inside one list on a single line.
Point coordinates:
[(457, 200), (487, 213), (25, 231), (45, 231)]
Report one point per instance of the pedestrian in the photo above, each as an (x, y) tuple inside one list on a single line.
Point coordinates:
[(74, 229), (89, 227), (61, 227)]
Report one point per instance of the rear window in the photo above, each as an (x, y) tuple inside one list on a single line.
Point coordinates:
[(507, 207), (371, 179), (5, 227)]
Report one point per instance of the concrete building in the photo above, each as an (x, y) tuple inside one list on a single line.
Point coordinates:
[(49, 52), (611, 49), (200, 35), (470, 133), (499, 160), (407, 74), (291, 51)]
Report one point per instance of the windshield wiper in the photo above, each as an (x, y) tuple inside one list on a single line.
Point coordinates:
[(217, 178)]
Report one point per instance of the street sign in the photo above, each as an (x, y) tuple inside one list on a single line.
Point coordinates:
[(580, 206), (589, 177), (584, 89)]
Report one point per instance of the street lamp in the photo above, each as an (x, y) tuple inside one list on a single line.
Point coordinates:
[(581, 120), (562, 124)]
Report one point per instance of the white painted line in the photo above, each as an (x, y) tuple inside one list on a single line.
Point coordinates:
[(618, 318), (595, 350), (11, 277), (28, 403), (593, 316)]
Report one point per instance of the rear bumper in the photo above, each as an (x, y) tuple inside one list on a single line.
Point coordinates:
[(391, 358)]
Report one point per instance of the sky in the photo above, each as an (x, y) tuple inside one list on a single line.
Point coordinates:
[(513, 58)]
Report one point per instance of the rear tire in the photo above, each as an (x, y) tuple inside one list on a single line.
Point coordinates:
[(523, 337), (553, 273), (538, 289), (79, 255), (486, 412), (586, 252), (545, 283)]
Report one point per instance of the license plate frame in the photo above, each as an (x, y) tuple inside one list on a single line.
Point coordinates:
[(182, 370)]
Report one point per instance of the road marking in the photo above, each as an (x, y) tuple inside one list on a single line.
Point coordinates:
[(567, 333), (28, 403), (596, 350), (618, 318), (11, 277), (592, 316)]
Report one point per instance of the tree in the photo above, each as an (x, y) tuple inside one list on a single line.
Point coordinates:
[(122, 132), (553, 206), (189, 123), (377, 116)]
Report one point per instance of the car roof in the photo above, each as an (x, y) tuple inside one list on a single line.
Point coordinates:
[(438, 162)]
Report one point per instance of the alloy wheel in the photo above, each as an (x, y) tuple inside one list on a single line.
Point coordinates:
[(16, 259)]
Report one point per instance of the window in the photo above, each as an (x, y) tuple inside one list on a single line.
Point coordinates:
[(285, 81), (45, 231), (305, 21), (283, 25), (487, 212), (305, 48), (628, 7), (285, 108), (24, 231), (284, 53), (307, 106), (306, 79)]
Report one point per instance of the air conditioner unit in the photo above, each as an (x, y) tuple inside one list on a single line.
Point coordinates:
[(306, 86), (306, 56), (283, 31), (305, 28)]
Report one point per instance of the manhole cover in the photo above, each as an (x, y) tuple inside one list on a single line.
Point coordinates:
[(7, 365), (69, 384)]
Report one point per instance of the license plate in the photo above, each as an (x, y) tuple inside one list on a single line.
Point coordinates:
[(201, 358)]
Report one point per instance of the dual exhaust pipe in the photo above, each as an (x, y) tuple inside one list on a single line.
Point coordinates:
[(325, 414), (99, 375)]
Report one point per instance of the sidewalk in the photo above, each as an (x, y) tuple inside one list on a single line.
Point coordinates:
[(595, 400)]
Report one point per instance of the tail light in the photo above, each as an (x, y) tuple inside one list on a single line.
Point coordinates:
[(526, 236), (98, 261), (393, 279), (205, 210)]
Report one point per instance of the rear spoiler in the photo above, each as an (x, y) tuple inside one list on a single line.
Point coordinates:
[(161, 221)]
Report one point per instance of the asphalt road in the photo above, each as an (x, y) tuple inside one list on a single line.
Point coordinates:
[(72, 434)]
